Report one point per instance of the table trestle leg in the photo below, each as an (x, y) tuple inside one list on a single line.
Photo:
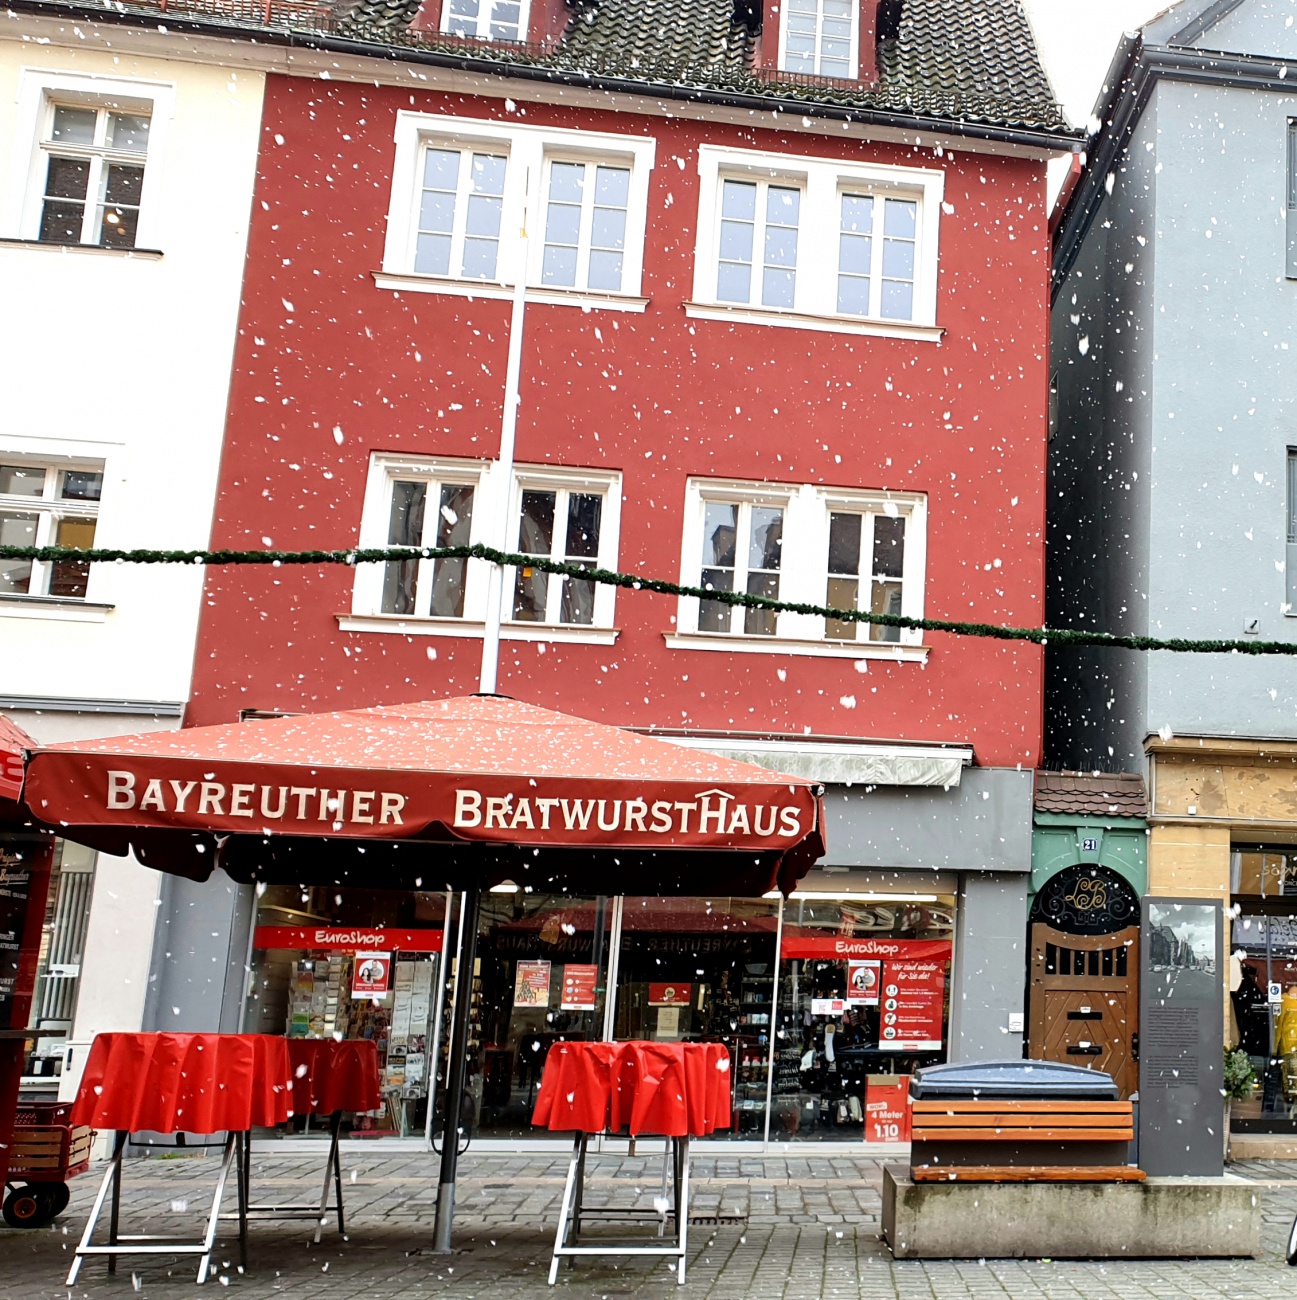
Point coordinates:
[(213, 1219), (110, 1175), (560, 1237)]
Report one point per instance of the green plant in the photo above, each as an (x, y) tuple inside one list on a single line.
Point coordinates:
[(1239, 1074)]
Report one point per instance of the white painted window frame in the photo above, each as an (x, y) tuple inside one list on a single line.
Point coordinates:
[(491, 494), (38, 91), (823, 182), (49, 508), (607, 483), (854, 69), (483, 32), (803, 568), (528, 150)]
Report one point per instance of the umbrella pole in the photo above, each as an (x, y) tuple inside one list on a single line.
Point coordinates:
[(459, 1032)]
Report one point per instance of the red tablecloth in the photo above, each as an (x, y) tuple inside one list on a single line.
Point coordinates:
[(329, 1075), (667, 1088), (185, 1083)]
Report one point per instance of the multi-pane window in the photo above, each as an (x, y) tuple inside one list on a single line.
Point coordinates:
[(45, 505), (496, 20), (427, 512), (585, 225), (819, 37), (1290, 565), (757, 259), (866, 571), (460, 209), (562, 525), (742, 550), (93, 162), (853, 245), (876, 256), (807, 545)]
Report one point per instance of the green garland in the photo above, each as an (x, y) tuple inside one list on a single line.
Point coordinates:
[(609, 577)]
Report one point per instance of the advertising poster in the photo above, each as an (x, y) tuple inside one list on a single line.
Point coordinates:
[(828, 1006), (373, 975), (863, 979), (887, 1108), (531, 984), (913, 991), (580, 985), (669, 995)]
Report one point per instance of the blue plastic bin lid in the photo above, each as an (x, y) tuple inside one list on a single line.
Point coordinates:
[(1008, 1080)]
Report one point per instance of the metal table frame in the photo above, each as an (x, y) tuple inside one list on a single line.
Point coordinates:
[(675, 1174), (319, 1213), (121, 1243)]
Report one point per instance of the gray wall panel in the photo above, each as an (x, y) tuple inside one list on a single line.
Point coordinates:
[(989, 979)]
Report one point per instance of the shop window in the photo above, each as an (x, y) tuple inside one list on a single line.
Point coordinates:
[(703, 970), (864, 1001), (541, 977), (58, 974), (48, 505), (354, 964)]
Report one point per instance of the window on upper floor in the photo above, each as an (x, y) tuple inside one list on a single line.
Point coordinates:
[(86, 174), (1290, 559), (818, 243), (566, 515), (47, 505), (93, 163), (820, 37), (463, 191), (849, 550), (494, 20), (1290, 261)]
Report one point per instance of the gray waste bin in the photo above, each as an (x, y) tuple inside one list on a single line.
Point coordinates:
[(1011, 1081)]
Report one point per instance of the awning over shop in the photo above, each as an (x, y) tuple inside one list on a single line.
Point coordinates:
[(464, 792), (13, 742)]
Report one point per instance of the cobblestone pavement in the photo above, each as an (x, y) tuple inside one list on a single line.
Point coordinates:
[(788, 1228)]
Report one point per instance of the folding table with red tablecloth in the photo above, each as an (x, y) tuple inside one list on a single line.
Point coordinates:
[(328, 1077), (673, 1090), (178, 1083)]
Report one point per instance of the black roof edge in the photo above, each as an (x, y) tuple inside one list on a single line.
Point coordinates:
[(1059, 141), (1135, 71)]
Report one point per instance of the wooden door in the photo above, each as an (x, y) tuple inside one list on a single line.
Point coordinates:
[(1085, 1000)]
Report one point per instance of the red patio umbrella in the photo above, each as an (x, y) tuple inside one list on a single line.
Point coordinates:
[(464, 793)]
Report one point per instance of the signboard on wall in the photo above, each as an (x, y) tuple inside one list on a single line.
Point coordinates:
[(808, 944), (346, 938), (887, 1108), (863, 980), (1181, 1110), (912, 1004), (668, 995)]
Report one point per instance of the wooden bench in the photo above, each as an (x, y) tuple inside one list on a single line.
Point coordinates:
[(1022, 1141)]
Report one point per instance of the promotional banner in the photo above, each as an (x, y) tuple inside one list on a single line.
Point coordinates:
[(863, 978), (887, 1108), (531, 984), (669, 995), (580, 988), (913, 995), (346, 938), (373, 975)]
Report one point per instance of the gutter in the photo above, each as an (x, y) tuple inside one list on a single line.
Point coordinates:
[(1053, 141), (1132, 77)]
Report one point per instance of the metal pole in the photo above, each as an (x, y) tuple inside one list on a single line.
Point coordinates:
[(495, 592), (459, 1031), (438, 1004)]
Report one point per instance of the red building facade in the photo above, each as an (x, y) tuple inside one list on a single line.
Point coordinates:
[(795, 346)]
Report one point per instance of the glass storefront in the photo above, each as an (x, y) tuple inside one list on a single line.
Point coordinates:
[(1263, 983), (823, 999)]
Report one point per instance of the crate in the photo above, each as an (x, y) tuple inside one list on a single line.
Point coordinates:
[(50, 1152), (33, 1114)]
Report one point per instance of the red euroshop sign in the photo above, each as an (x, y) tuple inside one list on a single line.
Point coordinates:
[(346, 938), (834, 947)]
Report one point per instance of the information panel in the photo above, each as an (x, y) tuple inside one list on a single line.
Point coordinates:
[(1181, 1038)]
